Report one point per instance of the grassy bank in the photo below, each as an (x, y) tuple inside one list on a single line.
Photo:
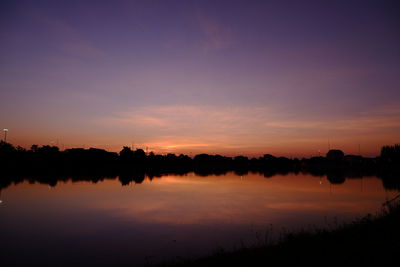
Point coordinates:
[(370, 241)]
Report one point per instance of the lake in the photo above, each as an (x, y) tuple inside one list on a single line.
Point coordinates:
[(104, 223)]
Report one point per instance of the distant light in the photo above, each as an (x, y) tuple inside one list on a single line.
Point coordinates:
[(1, 201), (5, 130)]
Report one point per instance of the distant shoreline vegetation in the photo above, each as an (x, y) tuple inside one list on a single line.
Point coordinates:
[(372, 240), (48, 164)]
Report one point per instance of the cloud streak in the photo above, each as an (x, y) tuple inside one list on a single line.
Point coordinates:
[(215, 35), (184, 127)]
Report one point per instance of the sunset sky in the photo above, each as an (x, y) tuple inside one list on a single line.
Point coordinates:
[(289, 78)]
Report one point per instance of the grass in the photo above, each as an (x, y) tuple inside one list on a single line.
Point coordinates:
[(373, 240)]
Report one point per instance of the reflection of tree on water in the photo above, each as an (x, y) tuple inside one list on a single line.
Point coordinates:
[(127, 178), (336, 178), (391, 181)]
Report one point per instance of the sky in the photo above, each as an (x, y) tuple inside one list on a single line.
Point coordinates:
[(289, 78)]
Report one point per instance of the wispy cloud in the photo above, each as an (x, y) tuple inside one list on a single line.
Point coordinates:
[(185, 127), (203, 128), (66, 36), (386, 117), (56, 26), (216, 36), (203, 119), (83, 49)]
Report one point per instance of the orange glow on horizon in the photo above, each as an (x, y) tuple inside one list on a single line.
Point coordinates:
[(227, 131)]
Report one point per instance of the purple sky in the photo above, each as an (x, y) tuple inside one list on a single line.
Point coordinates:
[(229, 77)]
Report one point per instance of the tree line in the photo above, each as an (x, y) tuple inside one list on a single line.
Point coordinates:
[(48, 156), (52, 164)]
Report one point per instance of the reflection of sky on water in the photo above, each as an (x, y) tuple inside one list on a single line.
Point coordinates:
[(169, 217)]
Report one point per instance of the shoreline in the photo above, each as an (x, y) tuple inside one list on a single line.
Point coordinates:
[(372, 240)]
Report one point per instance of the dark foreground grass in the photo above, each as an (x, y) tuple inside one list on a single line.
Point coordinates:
[(371, 241)]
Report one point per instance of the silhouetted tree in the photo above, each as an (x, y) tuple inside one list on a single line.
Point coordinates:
[(335, 155), (268, 157), (6, 148), (139, 155), (126, 154), (48, 150), (391, 154)]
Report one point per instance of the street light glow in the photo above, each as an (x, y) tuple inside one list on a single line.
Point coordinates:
[(5, 134)]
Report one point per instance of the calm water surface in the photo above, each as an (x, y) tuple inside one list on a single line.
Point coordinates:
[(83, 223)]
